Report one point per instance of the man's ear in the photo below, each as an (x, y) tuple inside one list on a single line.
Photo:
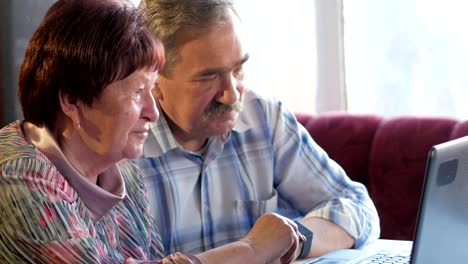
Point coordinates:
[(157, 93), (70, 108)]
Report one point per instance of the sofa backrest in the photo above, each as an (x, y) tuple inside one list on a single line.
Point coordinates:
[(388, 155)]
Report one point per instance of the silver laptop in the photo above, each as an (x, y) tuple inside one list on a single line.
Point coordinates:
[(442, 230)]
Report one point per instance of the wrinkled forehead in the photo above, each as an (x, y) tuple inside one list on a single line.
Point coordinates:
[(223, 18)]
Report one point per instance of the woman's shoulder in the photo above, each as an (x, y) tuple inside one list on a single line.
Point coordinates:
[(13, 145), (15, 149), (22, 164)]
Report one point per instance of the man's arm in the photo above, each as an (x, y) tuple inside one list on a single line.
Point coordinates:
[(316, 186), (272, 238), (328, 236)]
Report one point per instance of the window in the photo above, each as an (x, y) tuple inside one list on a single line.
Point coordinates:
[(406, 57), (389, 57), (281, 37)]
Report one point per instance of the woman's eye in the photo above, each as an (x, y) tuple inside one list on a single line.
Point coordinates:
[(139, 92)]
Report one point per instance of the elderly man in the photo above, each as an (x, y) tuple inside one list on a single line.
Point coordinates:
[(220, 155)]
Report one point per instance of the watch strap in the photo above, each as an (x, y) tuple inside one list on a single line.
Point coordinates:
[(306, 245)]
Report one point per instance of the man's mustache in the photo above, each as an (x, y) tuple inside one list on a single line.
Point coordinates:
[(217, 107)]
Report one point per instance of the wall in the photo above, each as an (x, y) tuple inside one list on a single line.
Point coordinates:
[(18, 20)]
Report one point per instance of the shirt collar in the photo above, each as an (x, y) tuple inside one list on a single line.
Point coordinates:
[(160, 139), (98, 198)]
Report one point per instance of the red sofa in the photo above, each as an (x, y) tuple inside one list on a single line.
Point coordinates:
[(388, 155)]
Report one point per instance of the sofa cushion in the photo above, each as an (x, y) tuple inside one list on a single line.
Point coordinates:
[(397, 168), (388, 155), (346, 138)]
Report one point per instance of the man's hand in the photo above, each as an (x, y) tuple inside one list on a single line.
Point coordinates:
[(274, 238)]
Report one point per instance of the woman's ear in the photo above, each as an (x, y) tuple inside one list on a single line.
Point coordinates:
[(70, 108)]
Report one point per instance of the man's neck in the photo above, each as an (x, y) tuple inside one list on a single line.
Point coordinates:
[(187, 141), (191, 144)]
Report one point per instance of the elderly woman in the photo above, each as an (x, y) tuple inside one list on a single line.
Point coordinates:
[(68, 194)]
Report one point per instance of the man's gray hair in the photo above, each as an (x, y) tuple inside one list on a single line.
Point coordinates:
[(169, 17)]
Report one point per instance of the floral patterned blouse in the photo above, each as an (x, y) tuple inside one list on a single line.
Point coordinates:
[(49, 213)]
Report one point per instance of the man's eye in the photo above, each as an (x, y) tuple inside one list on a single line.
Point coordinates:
[(238, 72), (208, 77), (238, 69)]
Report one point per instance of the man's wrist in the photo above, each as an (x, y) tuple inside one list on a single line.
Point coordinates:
[(307, 244)]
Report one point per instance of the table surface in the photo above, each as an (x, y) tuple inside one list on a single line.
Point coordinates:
[(379, 244)]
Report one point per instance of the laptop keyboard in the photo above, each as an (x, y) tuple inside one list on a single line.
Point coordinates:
[(384, 257)]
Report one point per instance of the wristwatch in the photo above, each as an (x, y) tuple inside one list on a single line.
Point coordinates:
[(306, 245)]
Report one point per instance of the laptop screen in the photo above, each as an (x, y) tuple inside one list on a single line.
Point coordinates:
[(442, 231)]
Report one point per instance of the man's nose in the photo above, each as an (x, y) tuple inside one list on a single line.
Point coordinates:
[(230, 93)]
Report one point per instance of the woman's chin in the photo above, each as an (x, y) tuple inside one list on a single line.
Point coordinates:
[(133, 152)]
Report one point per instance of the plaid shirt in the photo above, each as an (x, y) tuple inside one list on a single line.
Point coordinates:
[(267, 163)]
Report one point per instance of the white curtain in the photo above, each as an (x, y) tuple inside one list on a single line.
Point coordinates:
[(287, 44), (389, 57), (406, 57)]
